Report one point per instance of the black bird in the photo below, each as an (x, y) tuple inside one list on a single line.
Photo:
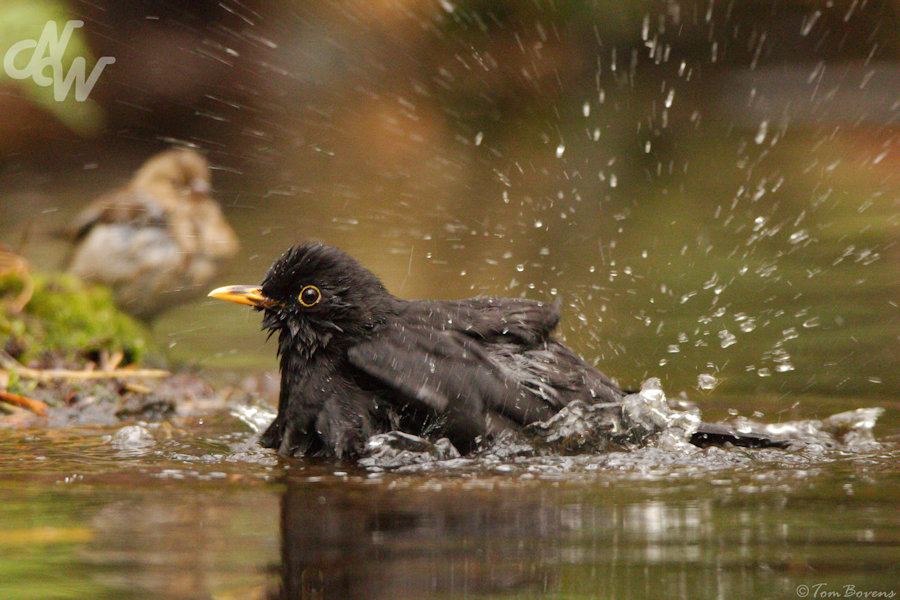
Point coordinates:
[(358, 361)]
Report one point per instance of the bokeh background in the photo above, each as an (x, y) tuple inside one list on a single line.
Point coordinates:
[(710, 188)]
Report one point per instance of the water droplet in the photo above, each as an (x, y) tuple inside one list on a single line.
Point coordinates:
[(707, 382), (798, 236), (586, 109), (726, 338), (763, 131), (478, 137), (652, 390), (809, 22), (560, 150), (670, 97)]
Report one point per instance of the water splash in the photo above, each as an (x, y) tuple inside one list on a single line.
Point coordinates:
[(707, 382)]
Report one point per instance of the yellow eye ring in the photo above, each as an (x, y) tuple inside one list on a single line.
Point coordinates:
[(309, 296)]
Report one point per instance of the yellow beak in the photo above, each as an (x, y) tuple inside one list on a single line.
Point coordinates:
[(242, 294)]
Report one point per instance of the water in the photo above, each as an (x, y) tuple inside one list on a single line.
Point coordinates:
[(203, 514), (193, 508)]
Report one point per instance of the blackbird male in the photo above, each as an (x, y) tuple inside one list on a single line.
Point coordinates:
[(158, 240), (358, 361)]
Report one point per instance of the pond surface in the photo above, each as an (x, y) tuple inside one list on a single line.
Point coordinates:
[(193, 509)]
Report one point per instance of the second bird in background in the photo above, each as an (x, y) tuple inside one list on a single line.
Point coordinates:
[(158, 240)]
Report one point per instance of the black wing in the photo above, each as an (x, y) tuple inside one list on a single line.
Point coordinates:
[(518, 321), (451, 376)]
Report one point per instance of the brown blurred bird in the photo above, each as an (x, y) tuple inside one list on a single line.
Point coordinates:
[(159, 239)]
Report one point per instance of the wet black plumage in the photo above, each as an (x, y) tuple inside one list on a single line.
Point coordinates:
[(357, 361)]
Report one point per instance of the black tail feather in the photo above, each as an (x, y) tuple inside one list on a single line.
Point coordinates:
[(711, 434)]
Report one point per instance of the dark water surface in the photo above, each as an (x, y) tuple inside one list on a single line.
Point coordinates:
[(192, 509)]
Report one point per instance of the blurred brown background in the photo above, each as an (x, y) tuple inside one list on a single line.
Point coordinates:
[(711, 187)]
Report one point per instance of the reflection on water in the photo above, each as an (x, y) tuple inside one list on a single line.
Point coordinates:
[(369, 542), (204, 514)]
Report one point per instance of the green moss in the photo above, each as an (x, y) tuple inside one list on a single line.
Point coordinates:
[(69, 318)]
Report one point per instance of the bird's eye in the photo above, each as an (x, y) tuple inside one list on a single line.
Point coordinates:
[(309, 296)]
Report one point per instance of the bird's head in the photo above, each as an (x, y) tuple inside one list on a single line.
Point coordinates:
[(183, 169), (314, 296)]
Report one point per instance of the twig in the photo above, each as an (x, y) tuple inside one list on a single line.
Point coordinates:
[(50, 374), (137, 387), (36, 406), (113, 361)]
